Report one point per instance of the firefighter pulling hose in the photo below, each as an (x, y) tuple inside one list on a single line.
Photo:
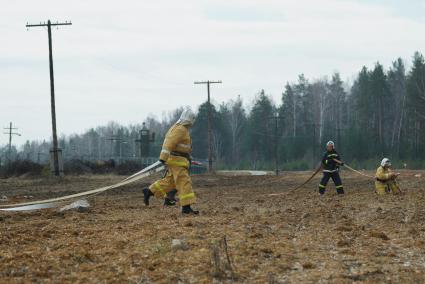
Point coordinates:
[(175, 158), (175, 155), (331, 162)]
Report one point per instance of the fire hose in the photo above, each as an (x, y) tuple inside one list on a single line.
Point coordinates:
[(58, 201), (309, 179), (353, 170), (55, 202), (317, 171)]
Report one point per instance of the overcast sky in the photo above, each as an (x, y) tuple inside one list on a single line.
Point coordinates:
[(123, 60)]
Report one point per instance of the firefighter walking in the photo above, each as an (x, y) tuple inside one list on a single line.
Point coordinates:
[(386, 179), (331, 162), (175, 154)]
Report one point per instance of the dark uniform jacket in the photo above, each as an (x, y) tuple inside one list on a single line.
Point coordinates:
[(329, 165)]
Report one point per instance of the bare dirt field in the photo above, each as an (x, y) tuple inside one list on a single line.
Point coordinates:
[(252, 229)]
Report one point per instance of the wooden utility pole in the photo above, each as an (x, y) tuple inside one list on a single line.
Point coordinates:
[(210, 167), (55, 149), (276, 118), (10, 133)]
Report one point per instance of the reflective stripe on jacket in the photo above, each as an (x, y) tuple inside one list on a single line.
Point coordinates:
[(329, 165), (177, 139)]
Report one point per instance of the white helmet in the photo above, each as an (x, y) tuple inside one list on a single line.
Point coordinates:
[(386, 162), (187, 117), (330, 143)]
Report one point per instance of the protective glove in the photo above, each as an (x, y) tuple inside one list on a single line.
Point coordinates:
[(162, 162)]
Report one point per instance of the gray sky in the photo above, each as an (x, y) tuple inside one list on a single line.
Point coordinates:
[(123, 60)]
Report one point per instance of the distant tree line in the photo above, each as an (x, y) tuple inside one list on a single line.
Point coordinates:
[(381, 113)]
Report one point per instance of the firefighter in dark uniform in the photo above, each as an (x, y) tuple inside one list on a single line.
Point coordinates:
[(331, 162)]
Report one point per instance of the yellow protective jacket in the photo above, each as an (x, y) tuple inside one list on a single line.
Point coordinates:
[(383, 174), (384, 182), (176, 140)]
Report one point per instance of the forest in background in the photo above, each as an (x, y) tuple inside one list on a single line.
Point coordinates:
[(382, 113)]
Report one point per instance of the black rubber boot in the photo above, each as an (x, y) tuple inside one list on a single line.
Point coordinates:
[(187, 210), (168, 202), (147, 195), (322, 191), (340, 191), (170, 199)]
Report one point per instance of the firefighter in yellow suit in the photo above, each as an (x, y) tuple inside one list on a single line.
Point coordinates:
[(386, 179), (175, 154)]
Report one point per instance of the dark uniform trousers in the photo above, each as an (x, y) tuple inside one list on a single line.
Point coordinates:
[(334, 175)]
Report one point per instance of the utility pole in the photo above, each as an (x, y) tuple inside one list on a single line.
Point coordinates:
[(276, 118), (10, 133), (55, 149), (113, 139), (209, 121), (121, 141)]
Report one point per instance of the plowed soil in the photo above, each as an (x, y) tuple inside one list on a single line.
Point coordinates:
[(252, 229)]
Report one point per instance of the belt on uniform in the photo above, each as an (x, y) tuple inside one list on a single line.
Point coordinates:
[(381, 180), (330, 171), (179, 154)]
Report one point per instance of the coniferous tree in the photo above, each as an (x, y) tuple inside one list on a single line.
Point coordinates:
[(261, 130), (416, 101)]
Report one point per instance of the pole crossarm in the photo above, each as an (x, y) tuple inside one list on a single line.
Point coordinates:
[(44, 24), (208, 82)]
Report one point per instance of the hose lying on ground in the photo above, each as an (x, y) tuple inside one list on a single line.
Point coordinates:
[(316, 172), (55, 202)]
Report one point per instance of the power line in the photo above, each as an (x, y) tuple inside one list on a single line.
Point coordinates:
[(209, 120), (55, 149)]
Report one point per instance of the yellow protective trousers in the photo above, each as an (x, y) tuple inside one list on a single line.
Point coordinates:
[(382, 188), (178, 178)]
